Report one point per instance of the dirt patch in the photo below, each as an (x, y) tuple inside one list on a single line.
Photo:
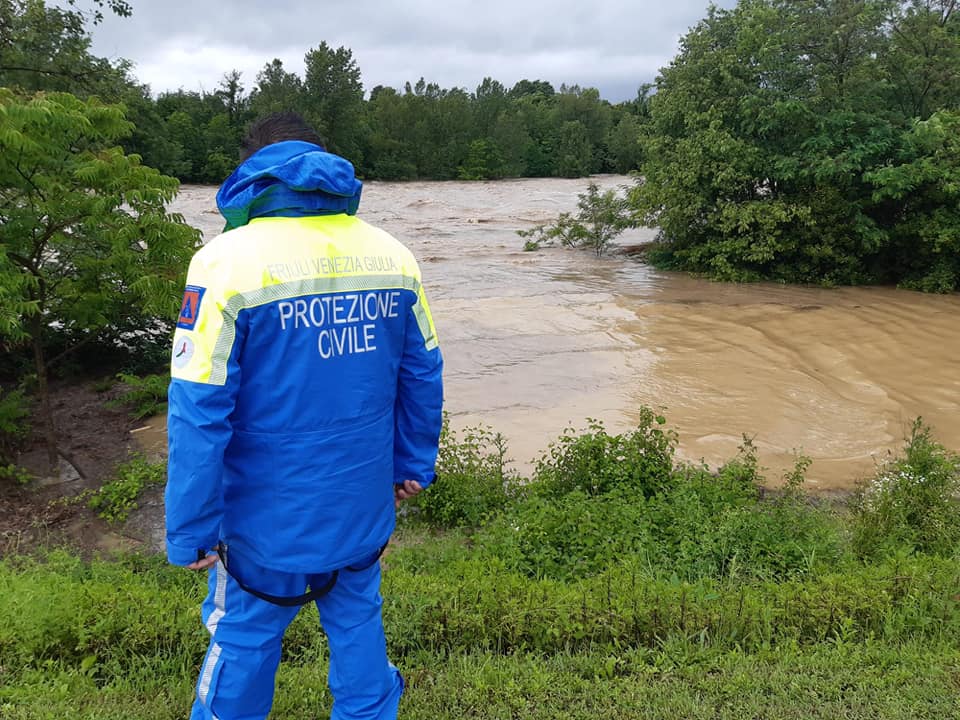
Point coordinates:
[(94, 437)]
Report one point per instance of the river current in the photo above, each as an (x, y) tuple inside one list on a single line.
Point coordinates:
[(536, 341)]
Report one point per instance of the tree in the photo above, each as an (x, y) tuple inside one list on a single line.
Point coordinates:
[(765, 138), (86, 243), (277, 90), (48, 48), (230, 93), (922, 62), (334, 99), (925, 186), (601, 217), (484, 161), (624, 144)]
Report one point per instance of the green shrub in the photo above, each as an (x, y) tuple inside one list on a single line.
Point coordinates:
[(601, 217), (116, 499), (14, 423), (720, 524), (145, 396), (698, 524), (913, 501), (572, 536), (595, 462), (473, 479)]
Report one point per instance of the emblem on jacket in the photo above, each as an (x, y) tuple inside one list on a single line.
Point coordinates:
[(190, 307), (183, 349)]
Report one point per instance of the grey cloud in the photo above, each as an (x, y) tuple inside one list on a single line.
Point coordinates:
[(609, 44)]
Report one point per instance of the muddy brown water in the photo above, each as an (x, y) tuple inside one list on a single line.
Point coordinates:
[(534, 342)]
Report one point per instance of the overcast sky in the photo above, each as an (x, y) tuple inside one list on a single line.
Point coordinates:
[(613, 45)]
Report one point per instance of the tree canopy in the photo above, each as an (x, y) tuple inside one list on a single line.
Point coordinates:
[(88, 251), (809, 141)]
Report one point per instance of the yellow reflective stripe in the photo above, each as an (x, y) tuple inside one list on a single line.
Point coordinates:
[(421, 311), (281, 261)]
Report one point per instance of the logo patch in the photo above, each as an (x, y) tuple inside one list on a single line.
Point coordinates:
[(183, 349), (190, 308)]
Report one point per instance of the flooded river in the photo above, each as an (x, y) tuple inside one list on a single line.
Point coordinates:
[(536, 341)]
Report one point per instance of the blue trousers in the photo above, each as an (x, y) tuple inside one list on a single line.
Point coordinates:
[(238, 673)]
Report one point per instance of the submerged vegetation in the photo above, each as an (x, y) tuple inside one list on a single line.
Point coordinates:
[(616, 580)]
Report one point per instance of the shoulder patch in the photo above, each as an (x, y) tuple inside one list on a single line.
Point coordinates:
[(190, 308), (183, 350)]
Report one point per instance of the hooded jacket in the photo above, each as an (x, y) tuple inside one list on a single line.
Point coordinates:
[(306, 374)]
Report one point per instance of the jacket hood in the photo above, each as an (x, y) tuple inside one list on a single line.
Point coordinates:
[(290, 178)]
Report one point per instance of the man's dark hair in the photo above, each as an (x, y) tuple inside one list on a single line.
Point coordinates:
[(277, 128)]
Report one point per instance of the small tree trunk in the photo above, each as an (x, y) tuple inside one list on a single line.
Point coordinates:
[(46, 412)]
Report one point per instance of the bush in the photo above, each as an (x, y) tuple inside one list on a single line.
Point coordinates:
[(721, 525), (615, 500), (118, 498), (913, 501), (145, 396), (595, 462), (600, 219), (573, 536), (473, 480), (14, 424)]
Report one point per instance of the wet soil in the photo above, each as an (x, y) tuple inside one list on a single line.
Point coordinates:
[(51, 510)]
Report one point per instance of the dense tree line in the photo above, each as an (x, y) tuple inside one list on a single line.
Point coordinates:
[(810, 141), (422, 131)]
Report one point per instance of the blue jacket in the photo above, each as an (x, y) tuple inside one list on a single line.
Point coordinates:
[(306, 374)]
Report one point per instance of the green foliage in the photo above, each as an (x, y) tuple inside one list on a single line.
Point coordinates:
[(14, 426), (46, 47), (473, 479), (145, 396), (484, 161), (85, 238), (925, 184), (600, 219), (14, 473), (86, 243), (92, 640), (596, 463), (118, 497), (775, 148), (913, 502), (574, 535), (598, 499)]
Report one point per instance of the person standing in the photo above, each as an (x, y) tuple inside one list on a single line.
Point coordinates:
[(305, 404)]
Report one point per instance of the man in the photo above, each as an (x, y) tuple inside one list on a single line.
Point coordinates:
[(305, 401)]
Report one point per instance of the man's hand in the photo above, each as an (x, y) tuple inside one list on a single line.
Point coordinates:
[(208, 562), (402, 491)]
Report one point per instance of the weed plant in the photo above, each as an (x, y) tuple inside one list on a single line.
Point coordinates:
[(145, 395), (913, 501), (473, 479), (598, 499), (118, 497)]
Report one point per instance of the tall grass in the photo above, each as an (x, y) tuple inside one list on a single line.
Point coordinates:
[(616, 583)]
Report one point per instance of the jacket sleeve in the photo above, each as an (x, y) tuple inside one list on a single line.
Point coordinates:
[(419, 405), (205, 376)]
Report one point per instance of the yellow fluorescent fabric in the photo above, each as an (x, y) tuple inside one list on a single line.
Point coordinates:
[(284, 258)]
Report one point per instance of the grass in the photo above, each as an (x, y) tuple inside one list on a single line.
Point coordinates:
[(834, 681), (123, 639), (596, 590)]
